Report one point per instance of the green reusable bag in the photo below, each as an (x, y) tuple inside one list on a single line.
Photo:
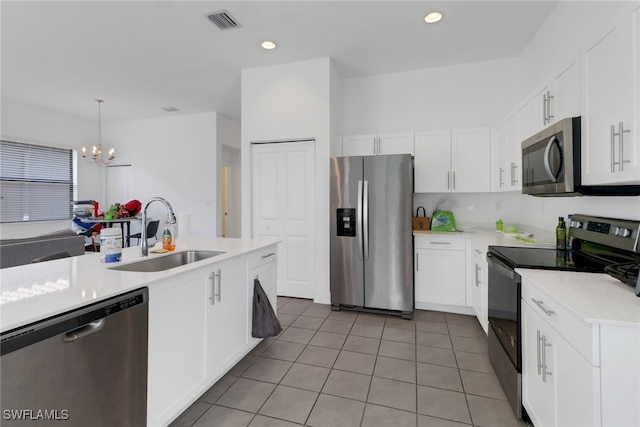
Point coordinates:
[(442, 221)]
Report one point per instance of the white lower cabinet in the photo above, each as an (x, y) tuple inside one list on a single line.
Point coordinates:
[(179, 333), (479, 276), (200, 327), (263, 268), (227, 308), (560, 386), (440, 266)]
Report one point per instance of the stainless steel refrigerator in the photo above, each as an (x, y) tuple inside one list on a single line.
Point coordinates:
[(371, 233)]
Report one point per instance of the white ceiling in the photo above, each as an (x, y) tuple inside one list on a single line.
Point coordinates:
[(140, 56)]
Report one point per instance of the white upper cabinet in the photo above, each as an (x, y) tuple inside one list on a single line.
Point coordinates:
[(471, 160), (610, 119), (566, 102), (432, 163), (369, 145), (499, 168), (513, 149), (396, 143), (358, 145), (557, 98), (544, 102), (456, 160)]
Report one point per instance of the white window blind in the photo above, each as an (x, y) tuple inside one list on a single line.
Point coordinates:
[(37, 182)]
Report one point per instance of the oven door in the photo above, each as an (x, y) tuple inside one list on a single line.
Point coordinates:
[(504, 308)]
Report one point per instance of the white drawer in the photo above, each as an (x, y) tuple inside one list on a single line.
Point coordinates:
[(263, 257), (438, 241), (583, 336)]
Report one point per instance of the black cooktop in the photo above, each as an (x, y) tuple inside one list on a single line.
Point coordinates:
[(546, 259)]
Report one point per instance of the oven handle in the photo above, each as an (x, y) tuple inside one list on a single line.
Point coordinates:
[(500, 266)]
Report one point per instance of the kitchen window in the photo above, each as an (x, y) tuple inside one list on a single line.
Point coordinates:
[(37, 182)]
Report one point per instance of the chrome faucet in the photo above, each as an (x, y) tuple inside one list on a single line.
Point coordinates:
[(144, 249)]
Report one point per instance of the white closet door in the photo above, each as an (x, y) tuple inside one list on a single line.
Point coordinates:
[(283, 200), (118, 179)]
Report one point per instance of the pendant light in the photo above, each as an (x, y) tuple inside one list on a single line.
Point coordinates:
[(96, 151)]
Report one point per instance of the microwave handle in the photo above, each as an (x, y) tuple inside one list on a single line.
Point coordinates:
[(547, 165)]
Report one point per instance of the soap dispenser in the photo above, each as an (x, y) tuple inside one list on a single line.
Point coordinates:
[(167, 237)]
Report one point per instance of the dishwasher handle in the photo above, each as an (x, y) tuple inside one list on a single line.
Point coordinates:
[(83, 331)]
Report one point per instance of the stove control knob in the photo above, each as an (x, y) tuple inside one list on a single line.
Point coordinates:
[(624, 232), (615, 230)]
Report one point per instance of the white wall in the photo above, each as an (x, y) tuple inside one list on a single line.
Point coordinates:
[(175, 158), (229, 142), (284, 102), (518, 209), (25, 123), (469, 95)]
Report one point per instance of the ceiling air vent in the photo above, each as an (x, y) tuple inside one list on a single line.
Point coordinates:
[(223, 19)]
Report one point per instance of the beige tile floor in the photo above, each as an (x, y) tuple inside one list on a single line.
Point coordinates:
[(341, 368)]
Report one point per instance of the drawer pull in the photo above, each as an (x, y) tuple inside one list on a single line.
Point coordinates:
[(439, 243), (268, 255), (540, 304)]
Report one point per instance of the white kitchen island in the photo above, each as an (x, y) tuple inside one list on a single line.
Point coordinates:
[(199, 313), (580, 349)]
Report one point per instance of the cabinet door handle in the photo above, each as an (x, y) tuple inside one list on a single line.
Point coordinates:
[(545, 371), (268, 255), (544, 108), (417, 263), (549, 98), (514, 180), (540, 304), (213, 289), (448, 179), (477, 275), (620, 135), (612, 137), (501, 175), (454, 180), (218, 276), (539, 340)]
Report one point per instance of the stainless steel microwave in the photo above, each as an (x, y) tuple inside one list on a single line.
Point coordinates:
[(551, 164), (551, 160)]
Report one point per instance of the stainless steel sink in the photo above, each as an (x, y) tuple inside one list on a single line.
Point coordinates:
[(167, 262)]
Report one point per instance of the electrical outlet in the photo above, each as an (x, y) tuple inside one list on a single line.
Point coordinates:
[(498, 205)]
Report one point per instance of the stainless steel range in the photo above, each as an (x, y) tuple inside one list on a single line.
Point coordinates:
[(599, 245)]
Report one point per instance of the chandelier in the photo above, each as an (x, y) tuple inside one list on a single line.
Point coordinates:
[(96, 151)]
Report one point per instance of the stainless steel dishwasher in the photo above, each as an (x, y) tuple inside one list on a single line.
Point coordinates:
[(86, 367)]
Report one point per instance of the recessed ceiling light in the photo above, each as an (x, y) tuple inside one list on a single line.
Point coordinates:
[(268, 45), (433, 17)]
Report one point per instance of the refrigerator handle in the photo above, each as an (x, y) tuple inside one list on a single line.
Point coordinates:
[(365, 220), (359, 228)]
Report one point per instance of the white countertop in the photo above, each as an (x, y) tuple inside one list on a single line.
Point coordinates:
[(482, 236), (66, 284), (593, 297)]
